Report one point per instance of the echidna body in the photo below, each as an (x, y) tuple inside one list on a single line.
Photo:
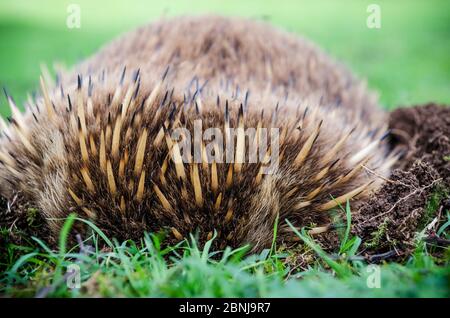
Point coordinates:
[(100, 142)]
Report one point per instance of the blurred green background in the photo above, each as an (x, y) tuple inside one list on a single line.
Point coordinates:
[(407, 61)]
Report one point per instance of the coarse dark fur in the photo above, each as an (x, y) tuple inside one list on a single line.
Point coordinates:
[(99, 142)]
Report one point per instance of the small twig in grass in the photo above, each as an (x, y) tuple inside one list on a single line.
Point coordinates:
[(377, 174), (11, 203), (434, 239), (348, 258), (13, 224), (318, 230), (387, 179), (379, 257), (415, 192), (84, 249)]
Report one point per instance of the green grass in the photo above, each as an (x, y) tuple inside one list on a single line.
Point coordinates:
[(406, 62), (148, 268)]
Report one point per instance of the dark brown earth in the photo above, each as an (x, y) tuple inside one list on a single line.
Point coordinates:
[(417, 190), (19, 222), (416, 193)]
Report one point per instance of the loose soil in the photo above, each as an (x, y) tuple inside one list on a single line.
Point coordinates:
[(418, 190)]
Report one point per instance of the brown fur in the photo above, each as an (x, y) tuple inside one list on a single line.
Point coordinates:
[(52, 154)]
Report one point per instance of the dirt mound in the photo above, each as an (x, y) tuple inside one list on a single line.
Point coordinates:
[(417, 190), (19, 221), (425, 131)]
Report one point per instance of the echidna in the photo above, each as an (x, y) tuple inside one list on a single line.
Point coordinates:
[(100, 142)]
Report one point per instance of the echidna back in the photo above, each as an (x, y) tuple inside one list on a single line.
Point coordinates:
[(100, 142)]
